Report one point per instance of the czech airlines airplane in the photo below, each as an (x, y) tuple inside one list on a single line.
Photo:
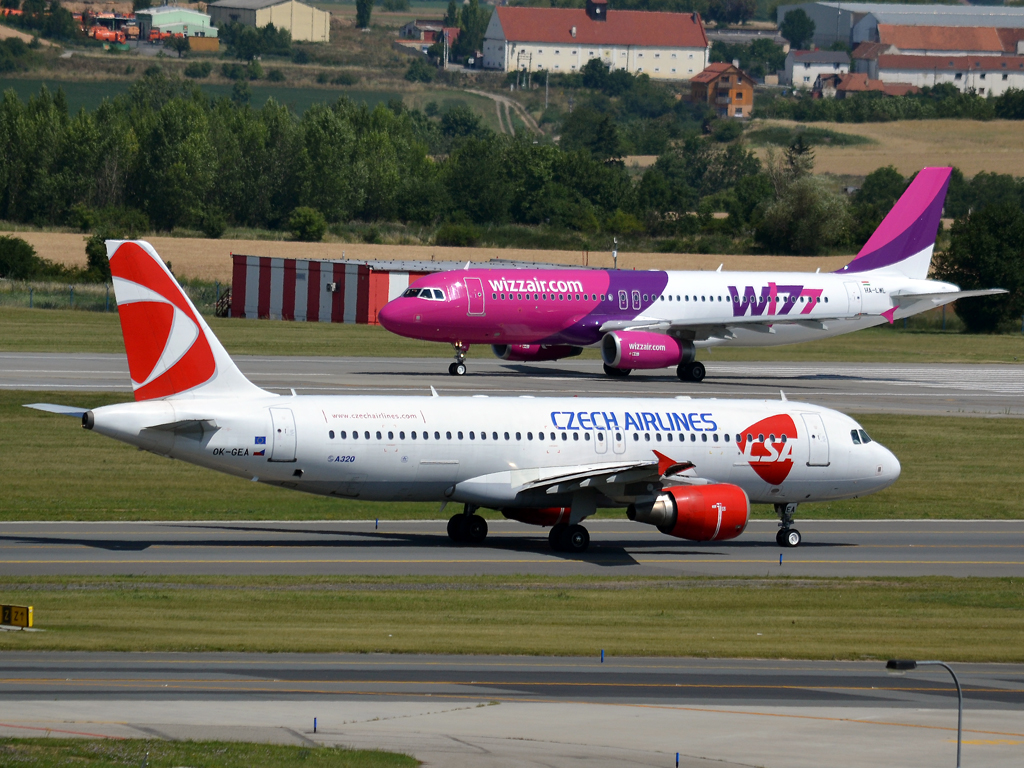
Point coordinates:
[(658, 319), (689, 467)]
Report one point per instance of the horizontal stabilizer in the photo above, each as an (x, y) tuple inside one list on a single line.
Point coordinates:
[(946, 297), (188, 427), (63, 410)]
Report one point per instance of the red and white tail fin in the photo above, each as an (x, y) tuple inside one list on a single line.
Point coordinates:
[(171, 350)]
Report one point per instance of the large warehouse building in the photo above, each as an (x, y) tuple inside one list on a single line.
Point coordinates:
[(853, 23), (304, 22), (665, 46), (176, 20)]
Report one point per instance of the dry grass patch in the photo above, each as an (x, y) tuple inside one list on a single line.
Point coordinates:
[(910, 145)]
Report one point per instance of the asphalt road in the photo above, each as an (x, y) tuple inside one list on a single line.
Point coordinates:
[(618, 548), (981, 390), (512, 711)]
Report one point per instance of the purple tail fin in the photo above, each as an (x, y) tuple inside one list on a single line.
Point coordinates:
[(904, 240)]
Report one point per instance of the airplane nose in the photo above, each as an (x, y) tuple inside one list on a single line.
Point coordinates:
[(390, 316), (888, 468)]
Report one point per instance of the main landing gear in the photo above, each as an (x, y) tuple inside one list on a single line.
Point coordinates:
[(569, 538), (617, 373), (691, 372), (458, 368), (788, 536), (467, 527)]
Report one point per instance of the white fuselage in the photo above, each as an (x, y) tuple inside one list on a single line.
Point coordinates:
[(480, 450)]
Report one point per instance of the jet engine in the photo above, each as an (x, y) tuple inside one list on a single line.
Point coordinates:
[(535, 352), (697, 512), (629, 350), (545, 516)]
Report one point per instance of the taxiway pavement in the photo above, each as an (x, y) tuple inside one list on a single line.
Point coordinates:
[(516, 711), (936, 389), (618, 548)]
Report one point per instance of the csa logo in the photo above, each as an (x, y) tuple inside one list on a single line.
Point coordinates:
[(167, 351), (772, 459)]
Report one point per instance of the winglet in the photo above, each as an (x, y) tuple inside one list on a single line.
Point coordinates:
[(889, 314), (433, 392), (783, 395), (668, 466)]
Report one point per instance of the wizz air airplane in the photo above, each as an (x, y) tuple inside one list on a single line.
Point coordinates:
[(653, 319), (689, 467)]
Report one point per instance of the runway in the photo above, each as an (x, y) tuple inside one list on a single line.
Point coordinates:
[(973, 390), (491, 711), (618, 548)]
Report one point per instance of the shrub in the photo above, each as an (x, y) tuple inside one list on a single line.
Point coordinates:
[(344, 78), (323, 78), (275, 76), (622, 223), (419, 72), (18, 260), (806, 219), (198, 70), (457, 235), (726, 130), (96, 255), (241, 93), (214, 223), (232, 71), (307, 225), (254, 71)]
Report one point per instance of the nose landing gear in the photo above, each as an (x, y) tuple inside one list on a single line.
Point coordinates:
[(788, 536), (458, 368)]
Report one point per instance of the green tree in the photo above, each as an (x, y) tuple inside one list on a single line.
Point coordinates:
[(593, 131), (241, 93), (141, 5), (307, 225), (807, 219), (472, 25), (798, 28), (451, 15), (179, 45), (876, 197), (986, 250), (419, 72), (731, 11), (18, 260), (363, 10)]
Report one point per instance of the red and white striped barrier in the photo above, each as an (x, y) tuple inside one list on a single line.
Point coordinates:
[(312, 291)]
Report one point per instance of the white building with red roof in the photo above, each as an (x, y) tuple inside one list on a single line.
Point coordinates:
[(665, 46)]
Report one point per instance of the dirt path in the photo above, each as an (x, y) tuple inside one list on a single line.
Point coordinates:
[(211, 259), (511, 105)]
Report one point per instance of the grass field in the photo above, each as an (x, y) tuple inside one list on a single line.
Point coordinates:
[(964, 468), (909, 145), (54, 330), (965, 619), (152, 753)]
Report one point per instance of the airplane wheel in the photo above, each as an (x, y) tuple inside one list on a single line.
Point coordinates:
[(555, 536), (576, 539), (475, 528), (458, 369), (691, 372), (792, 538), (457, 528), (617, 373), (778, 538), (451, 370)]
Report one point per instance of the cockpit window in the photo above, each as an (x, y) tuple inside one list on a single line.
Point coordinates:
[(430, 294), (864, 437), (855, 436)]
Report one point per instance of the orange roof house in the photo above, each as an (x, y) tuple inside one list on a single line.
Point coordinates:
[(726, 88), (665, 46)]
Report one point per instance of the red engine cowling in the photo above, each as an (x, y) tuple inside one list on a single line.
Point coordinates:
[(545, 516), (644, 349), (535, 352), (697, 512)]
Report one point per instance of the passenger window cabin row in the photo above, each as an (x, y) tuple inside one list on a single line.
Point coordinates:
[(543, 436)]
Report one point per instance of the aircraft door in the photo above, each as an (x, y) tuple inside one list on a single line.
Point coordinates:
[(601, 442), (853, 292), (475, 294), (283, 447), (817, 440), (618, 438)]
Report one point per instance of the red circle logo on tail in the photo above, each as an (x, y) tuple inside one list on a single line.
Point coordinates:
[(167, 350), (772, 458)]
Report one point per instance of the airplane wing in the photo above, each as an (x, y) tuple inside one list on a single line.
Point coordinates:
[(569, 479), (720, 330), (63, 410)]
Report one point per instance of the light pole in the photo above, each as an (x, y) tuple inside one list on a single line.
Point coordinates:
[(900, 666), (615, 253)]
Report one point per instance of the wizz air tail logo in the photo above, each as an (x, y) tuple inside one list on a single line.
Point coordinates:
[(768, 447), (167, 350), (774, 299)]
